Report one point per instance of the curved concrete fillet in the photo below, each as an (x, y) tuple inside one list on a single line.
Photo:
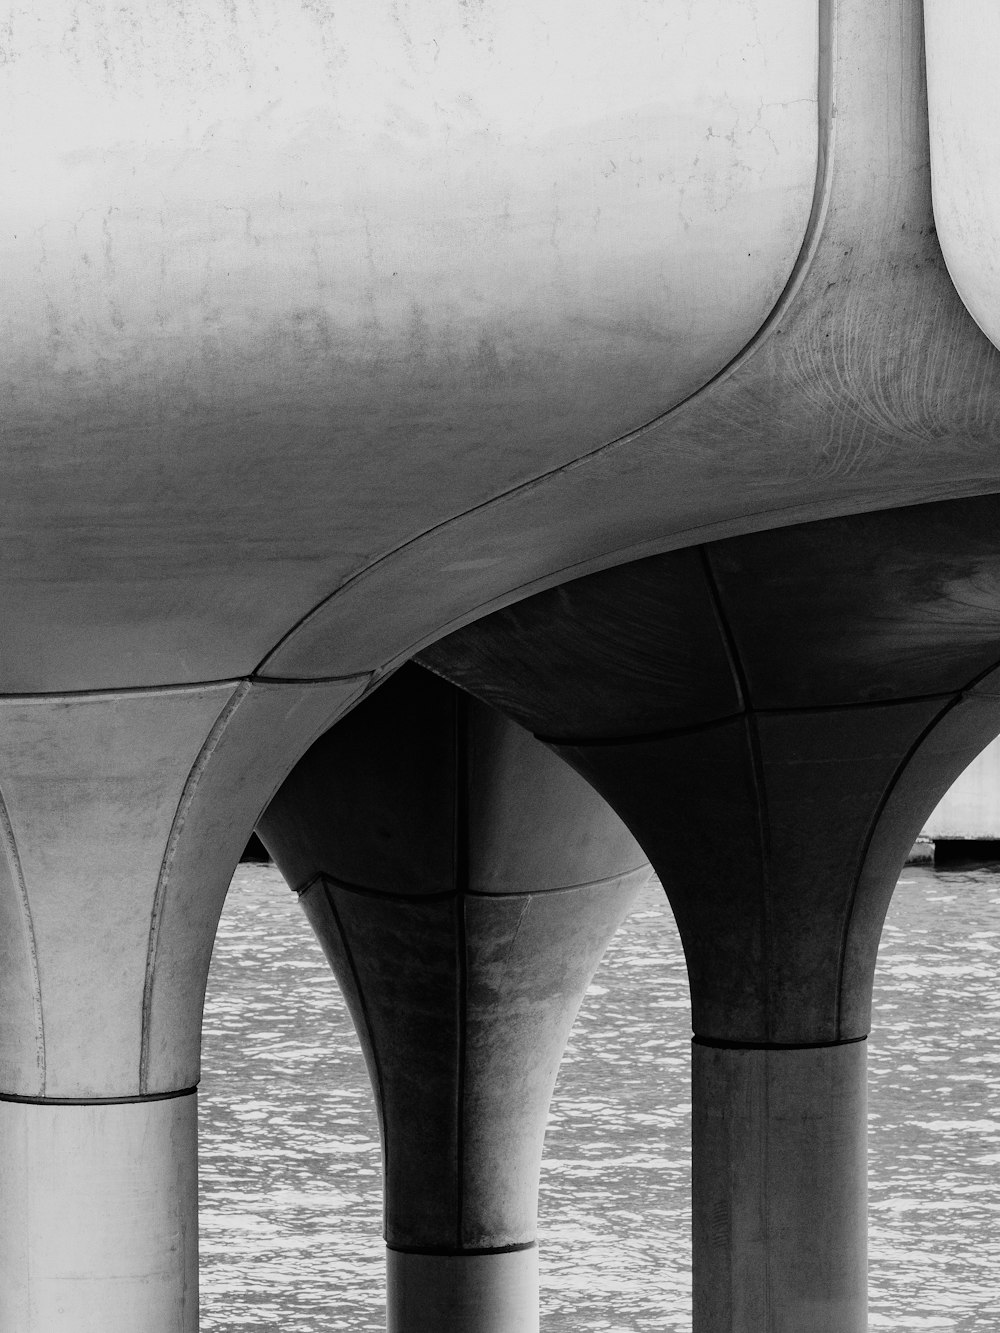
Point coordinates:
[(184, 805), (259, 735), (124, 816), (91, 784)]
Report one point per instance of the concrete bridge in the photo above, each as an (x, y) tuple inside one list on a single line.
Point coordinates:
[(399, 400)]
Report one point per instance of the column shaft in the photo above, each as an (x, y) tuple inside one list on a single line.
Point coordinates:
[(490, 1293), (98, 1217), (779, 1189)]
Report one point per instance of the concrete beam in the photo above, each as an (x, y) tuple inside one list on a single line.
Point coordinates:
[(300, 376)]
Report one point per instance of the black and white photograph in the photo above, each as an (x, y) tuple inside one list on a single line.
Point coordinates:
[(499, 666)]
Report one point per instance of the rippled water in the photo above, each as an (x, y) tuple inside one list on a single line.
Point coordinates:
[(289, 1156)]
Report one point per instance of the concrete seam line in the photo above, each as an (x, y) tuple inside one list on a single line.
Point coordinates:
[(240, 692), (525, 906), (359, 676), (329, 893), (950, 702), (721, 1044), (758, 778), (693, 728), (757, 770), (565, 888), (462, 802), (443, 1251), (893, 782), (725, 631), (120, 691), (99, 1101), (24, 903), (645, 738), (321, 878)]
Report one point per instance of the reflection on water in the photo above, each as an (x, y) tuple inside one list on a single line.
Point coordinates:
[(289, 1155)]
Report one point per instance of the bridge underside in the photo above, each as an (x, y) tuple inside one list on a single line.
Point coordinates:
[(493, 453)]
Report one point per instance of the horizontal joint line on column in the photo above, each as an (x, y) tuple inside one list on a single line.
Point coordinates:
[(450, 1252), (323, 880), (354, 678), (693, 728), (645, 738), (855, 706), (98, 1101), (721, 1044)]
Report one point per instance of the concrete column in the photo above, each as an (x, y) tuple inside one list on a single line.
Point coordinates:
[(487, 1293), (779, 1187), (774, 716), (99, 1216), (463, 883), (122, 817)]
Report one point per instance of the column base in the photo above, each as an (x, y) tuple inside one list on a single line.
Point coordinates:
[(98, 1216), (462, 1293)]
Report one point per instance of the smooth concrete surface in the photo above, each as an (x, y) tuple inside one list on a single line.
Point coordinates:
[(98, 1218), (471, 1293), (463, 883), (963, 103), (779, 1185), (327, 331), (869, 386), (287, 286)]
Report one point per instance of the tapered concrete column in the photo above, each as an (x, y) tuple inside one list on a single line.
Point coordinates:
[(122, 816), (463, 883), (779, 1183), (774, 716)]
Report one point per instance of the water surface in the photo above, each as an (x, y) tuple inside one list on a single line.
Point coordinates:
[(291, 1197)]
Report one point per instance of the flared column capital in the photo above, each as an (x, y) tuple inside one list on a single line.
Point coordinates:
[(122, 817)]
